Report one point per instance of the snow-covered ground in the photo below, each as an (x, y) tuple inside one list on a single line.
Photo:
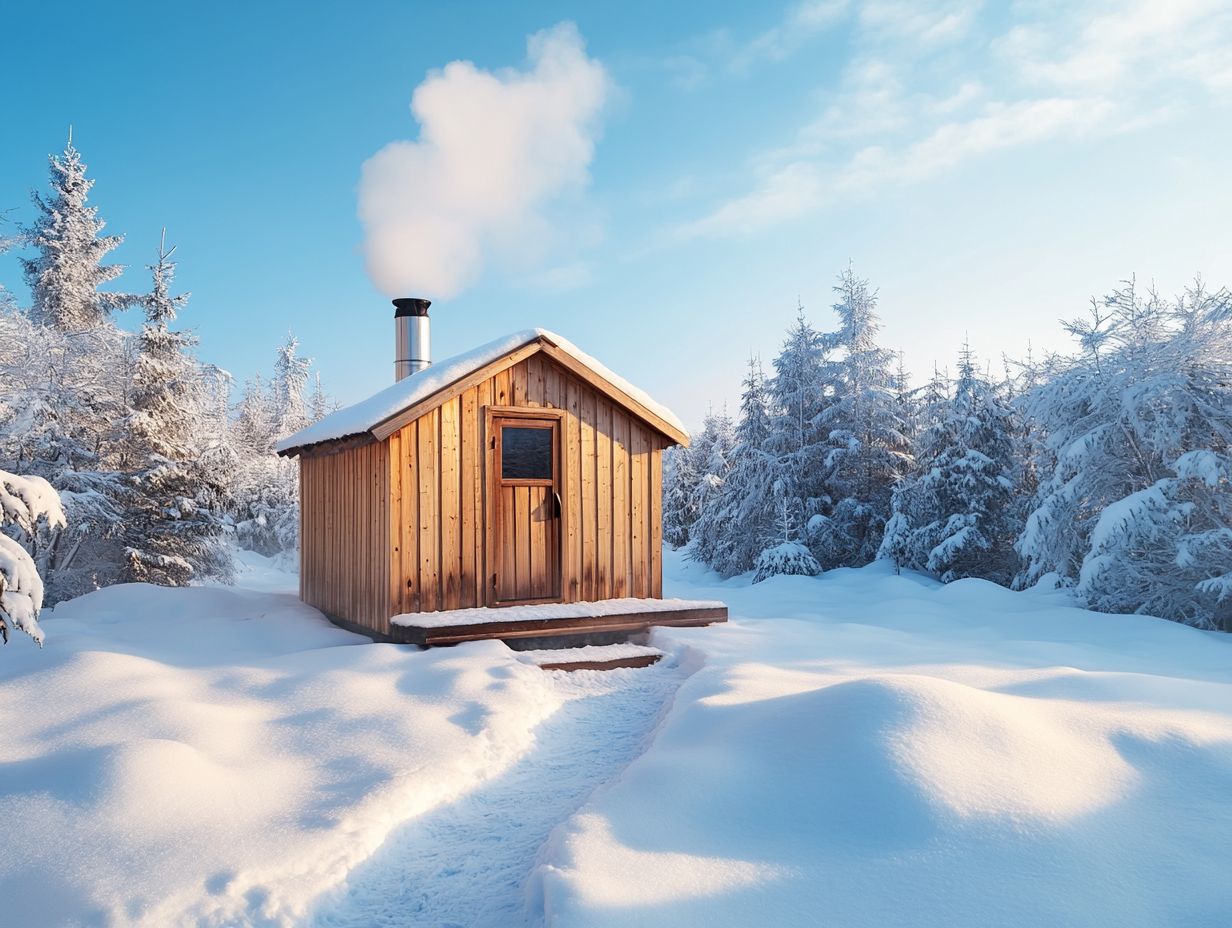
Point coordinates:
[(855, 749)]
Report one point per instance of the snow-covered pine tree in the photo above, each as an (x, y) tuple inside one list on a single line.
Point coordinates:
[(288, 385), (712, 453), (867, 452), (254, 426), (908, 399), (1133, 506), (173, 521), (63, 395), (27, 504), (933, 416), (798, 396), (8, 241), (265, 493), (678, 477), (957, 516), (166, 392), (740, 517), (216, 405), (66, 273), (319, 404)]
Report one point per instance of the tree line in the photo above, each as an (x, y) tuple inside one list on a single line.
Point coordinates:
[(159, 470), (1105, 470)]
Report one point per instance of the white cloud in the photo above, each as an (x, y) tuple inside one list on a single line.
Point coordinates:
[(801, 23), (782, 194), (495, 150), (803, 186), (692, 66), (920, 21), (870, 102), (1126, 45), (1000, 126), (912, 104)]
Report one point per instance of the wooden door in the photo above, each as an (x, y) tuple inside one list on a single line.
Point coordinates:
[(527, 502)]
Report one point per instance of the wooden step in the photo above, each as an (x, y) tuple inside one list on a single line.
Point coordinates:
[(593, 657)]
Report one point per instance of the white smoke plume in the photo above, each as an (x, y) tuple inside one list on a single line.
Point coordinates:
[(494, 149)]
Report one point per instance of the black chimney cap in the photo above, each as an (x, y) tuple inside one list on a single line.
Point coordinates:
[(409, 306)]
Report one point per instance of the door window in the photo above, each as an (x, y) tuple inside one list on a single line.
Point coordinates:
[(526, 453)]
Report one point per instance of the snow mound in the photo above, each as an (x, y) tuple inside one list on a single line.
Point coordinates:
[(893, 752), (213, 756)]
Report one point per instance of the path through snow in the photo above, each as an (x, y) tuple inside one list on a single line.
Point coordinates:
[(466, 864)]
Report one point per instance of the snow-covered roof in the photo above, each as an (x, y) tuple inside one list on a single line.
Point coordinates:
[(367, 414)]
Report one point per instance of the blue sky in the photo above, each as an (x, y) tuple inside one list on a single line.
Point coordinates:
[(658, 182)]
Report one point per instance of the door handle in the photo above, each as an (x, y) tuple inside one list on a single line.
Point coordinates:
[(555, 505)]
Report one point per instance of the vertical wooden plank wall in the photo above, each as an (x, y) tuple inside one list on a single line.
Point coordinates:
[(399, 526), (344, 518)]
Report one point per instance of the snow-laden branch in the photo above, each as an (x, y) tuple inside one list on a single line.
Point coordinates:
[(24, 502)]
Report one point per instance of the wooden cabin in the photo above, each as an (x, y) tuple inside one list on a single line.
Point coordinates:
[(522, 473)]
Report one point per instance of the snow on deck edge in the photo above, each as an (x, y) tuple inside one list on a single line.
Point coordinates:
[(541, 611)]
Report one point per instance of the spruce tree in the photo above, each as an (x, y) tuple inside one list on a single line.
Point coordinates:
[(254, 427), (65, 275), (797, 399), (741, 515), (957, 517), (679, 475), (319, 404), (289, 382), (173, 519), (866, 450), (67, 369), (707, 536), (265, 493)]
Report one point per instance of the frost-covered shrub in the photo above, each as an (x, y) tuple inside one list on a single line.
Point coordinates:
[(265, 506), (1167, 550), (786, 558), (1134, 505)]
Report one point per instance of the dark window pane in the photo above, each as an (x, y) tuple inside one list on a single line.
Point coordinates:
[(526, 454)]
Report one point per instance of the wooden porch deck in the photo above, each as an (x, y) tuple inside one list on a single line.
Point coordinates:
[(553, 620)]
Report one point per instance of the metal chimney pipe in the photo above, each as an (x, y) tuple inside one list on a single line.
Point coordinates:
[(412, 336)]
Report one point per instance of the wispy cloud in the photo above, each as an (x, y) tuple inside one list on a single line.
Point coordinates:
[(900, 116), (780, 195), (798, 26), (1126, 45), (560, 279), (920, 21), (720, 50)]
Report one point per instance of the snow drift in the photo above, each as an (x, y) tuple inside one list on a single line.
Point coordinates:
[(900, 753), (219, 757), (855, 749)]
